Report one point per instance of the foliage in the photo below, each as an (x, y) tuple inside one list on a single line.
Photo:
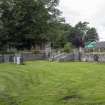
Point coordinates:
[(68, 47), (58, 34), (92, 35), (81, 33), (24, 23)]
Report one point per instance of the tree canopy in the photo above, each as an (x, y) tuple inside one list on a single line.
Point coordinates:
[(26, 23), (81, 33)]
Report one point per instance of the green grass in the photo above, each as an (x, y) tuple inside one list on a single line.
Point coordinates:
[(52, 83)]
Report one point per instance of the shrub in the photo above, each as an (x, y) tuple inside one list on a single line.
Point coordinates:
[(68, 47)]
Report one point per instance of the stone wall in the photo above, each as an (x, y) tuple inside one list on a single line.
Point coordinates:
[(65, 57), (93, 57), (6, 58), (1, 58), (81, 57), (32, 57)]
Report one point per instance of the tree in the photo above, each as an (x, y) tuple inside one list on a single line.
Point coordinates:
[(82, 33), (25, 23), (58, 34), (82, 28), (75, 37), (91, 35)]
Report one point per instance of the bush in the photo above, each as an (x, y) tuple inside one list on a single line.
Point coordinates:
[(68, 47)]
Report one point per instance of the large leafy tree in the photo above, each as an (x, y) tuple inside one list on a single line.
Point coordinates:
[(82, 33), (58, 34), (91, 35), (24, 23)]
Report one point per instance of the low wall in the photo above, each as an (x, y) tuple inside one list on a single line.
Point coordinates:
[(93, 57), (101, 58), (82, 57), (32, 57), (87, 58), (1, 58), (67, 57), (6, 58)]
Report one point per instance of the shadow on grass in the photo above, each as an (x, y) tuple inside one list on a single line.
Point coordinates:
[(73, 97), (70, 97)]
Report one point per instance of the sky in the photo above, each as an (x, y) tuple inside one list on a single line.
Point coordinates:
[(91, 11)]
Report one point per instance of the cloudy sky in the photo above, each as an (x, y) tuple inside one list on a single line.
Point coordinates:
[(91, 11)]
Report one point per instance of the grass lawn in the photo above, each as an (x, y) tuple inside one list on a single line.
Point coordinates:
[(52, 83)]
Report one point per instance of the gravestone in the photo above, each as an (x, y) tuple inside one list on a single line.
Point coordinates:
[(18, 59)]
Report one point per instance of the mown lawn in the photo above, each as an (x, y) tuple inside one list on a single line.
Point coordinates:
[(52, 83)]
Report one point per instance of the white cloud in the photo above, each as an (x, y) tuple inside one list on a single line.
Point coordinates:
[(85, 10)]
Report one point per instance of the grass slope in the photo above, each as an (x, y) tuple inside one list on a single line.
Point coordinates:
[(46, 83)]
